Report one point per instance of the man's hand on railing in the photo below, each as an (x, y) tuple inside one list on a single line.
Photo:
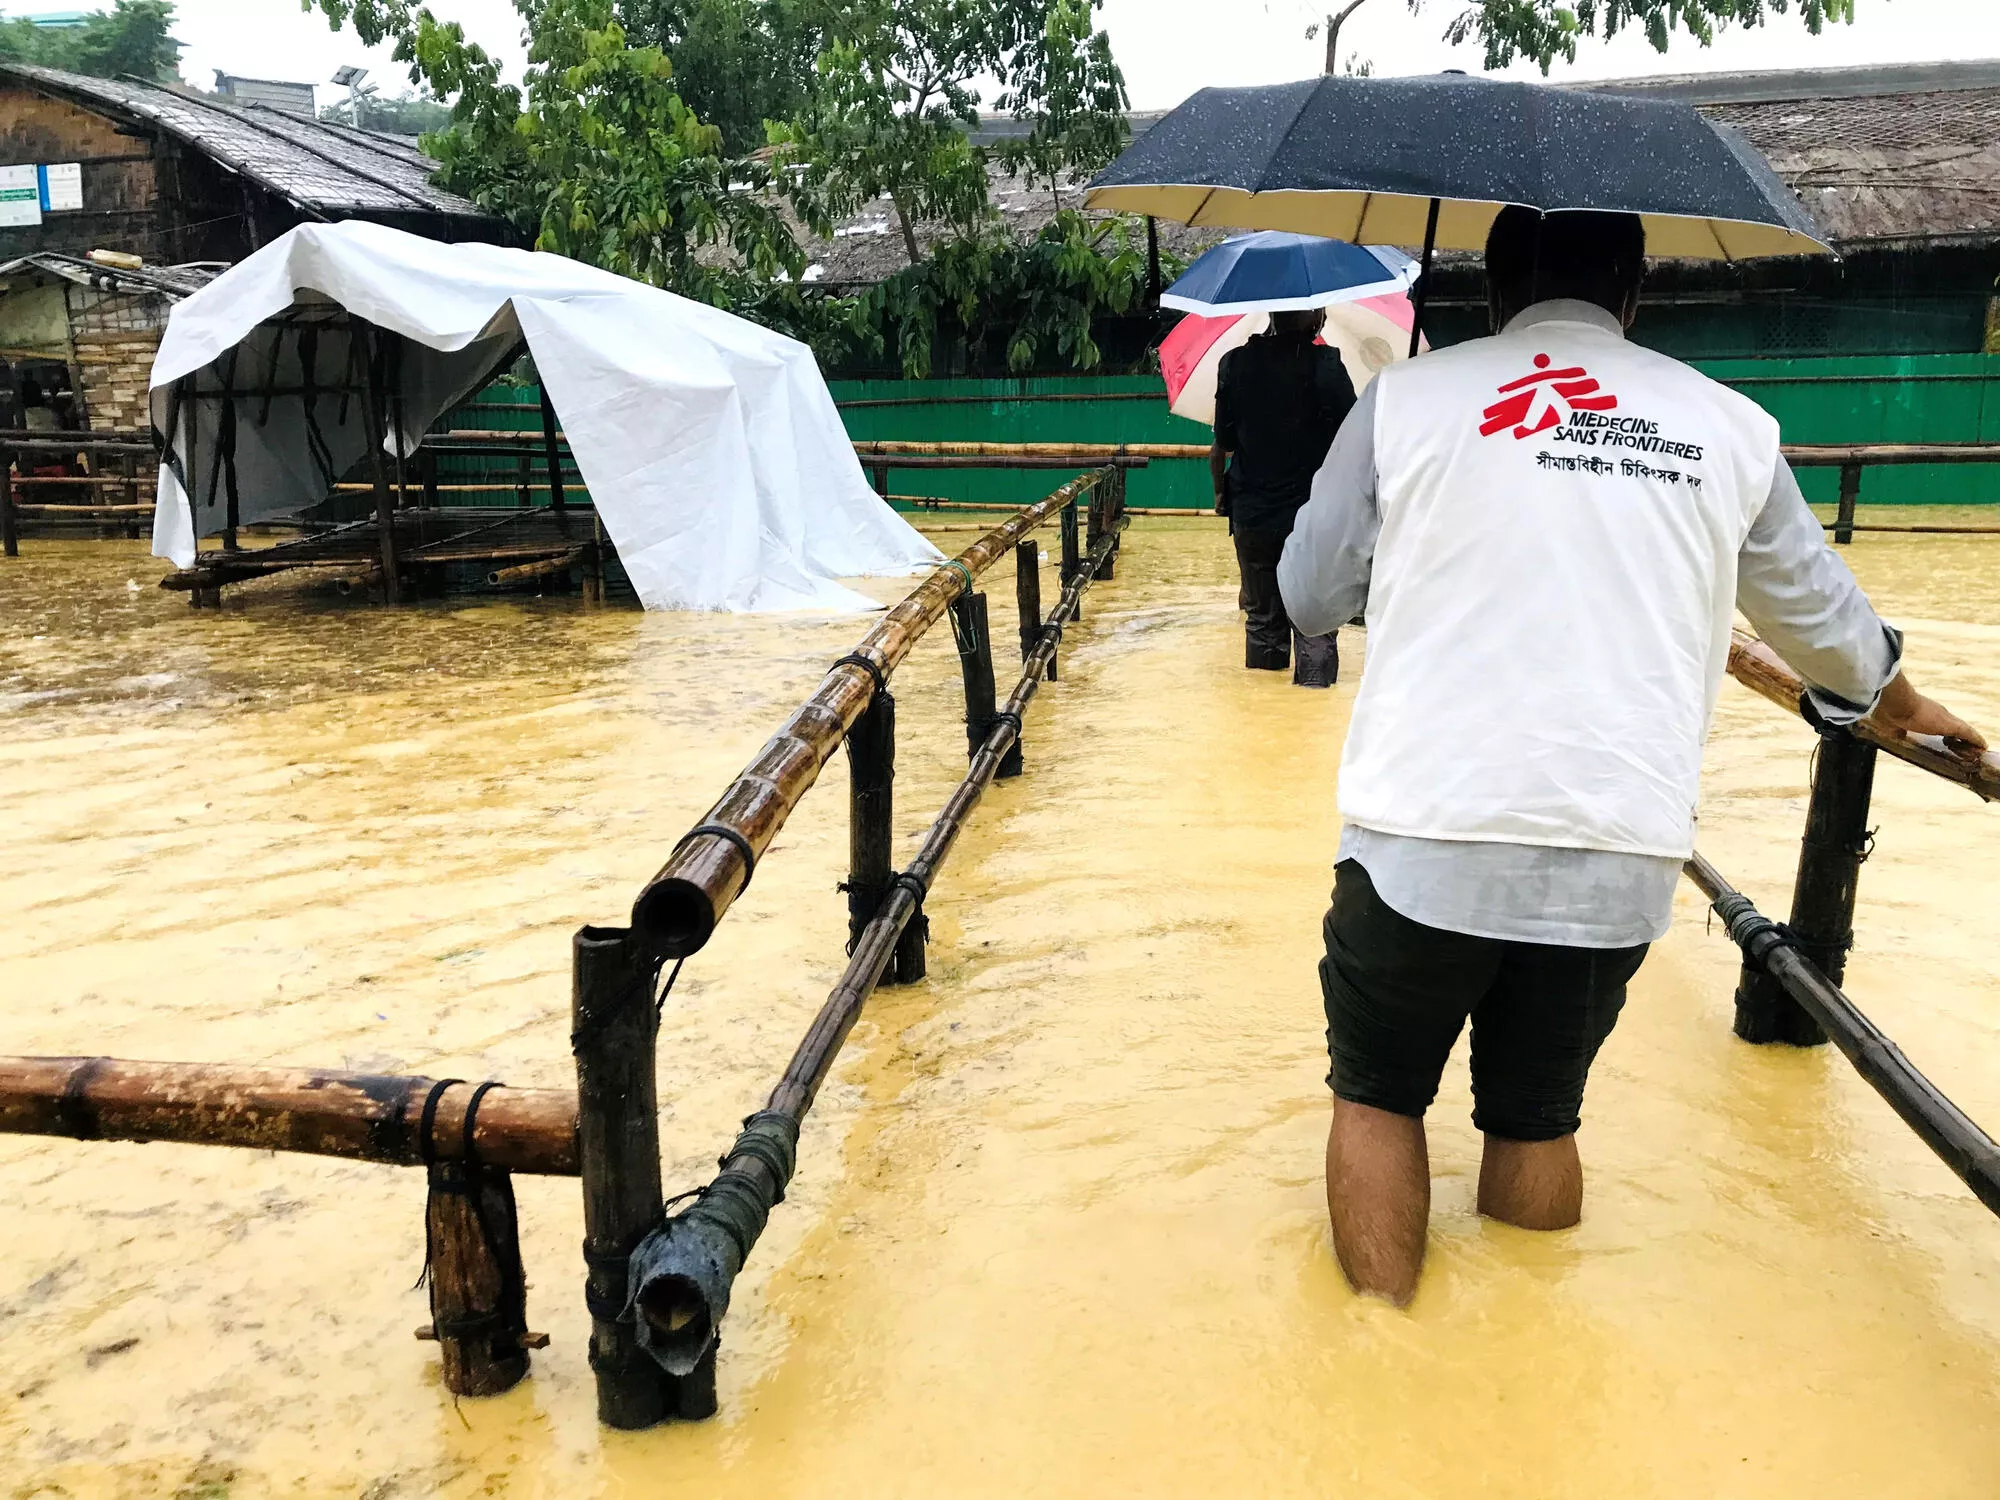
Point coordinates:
[(1906, 711)]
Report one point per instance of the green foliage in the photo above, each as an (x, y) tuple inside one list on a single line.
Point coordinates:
[(407, 114), (1070, 88), (737, 63), (896, 89), (596, 155), (1027, 307), (132, 39), (1544, 30)]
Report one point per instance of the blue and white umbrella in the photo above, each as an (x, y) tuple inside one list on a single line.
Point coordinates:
[(1273, 271)]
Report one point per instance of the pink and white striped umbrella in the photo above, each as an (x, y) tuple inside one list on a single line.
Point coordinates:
[(1370, 334)]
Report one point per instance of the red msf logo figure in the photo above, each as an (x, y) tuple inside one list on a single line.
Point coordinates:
[(1537, 402)]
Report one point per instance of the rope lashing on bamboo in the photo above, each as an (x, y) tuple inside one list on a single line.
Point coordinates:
[(73, 1108), (871, 667), (729, 836)]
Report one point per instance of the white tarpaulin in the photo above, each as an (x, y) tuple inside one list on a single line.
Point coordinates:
[(710, 446)]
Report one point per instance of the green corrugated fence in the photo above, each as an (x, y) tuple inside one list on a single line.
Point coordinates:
[(1919, 398)]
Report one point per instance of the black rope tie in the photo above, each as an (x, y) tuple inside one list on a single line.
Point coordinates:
[(427, 1123), (873, 669), (914, 884), (79, 1119), (727, 835), (1005, 716)]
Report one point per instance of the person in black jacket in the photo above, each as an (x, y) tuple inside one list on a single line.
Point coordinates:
[(1279, 400)]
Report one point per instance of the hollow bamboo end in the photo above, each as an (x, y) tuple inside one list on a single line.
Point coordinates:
[(673, 917)]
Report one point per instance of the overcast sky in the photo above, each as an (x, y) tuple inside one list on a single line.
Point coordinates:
[(1168, 48)]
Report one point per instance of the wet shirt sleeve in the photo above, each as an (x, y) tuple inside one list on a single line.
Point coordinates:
[(1330, 555), (1804, 603), (1225, 403)]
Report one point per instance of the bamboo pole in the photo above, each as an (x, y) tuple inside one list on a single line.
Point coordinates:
[(1850, 496), (1823, 892), (527, 572), (80, 512), (678, 909), (1759, 668), (372, 414), (613, 1030), (478, 1288), (682, 1274), (1956, 1139), (315, 1111), (10, 541)]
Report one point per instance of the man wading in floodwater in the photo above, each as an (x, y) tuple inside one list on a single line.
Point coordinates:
[(1279, 400), (1547, 530)]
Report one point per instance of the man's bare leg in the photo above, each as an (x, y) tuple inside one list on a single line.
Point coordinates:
[(1531, 1184), (1378, 1194)]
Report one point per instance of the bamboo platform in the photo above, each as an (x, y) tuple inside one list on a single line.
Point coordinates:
[(447, 549)]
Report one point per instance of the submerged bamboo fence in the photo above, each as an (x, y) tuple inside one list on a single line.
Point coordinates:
[(471, 1137), (1789, 988), (708, 870), (682, 1270)]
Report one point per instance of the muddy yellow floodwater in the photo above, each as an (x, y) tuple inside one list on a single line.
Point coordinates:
[(1057, 1228)]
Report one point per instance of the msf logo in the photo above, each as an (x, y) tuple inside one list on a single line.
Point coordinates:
[(1537, 402)]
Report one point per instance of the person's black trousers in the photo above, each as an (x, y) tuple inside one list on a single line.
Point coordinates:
[(1268, 631)]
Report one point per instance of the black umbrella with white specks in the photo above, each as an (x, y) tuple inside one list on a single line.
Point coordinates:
[(1431, 160)]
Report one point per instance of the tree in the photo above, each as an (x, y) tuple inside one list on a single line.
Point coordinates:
[(896, 92), (133, 39), (1333, 25), (1543, 30), (595, 156), (737, 63), (1073, 91)]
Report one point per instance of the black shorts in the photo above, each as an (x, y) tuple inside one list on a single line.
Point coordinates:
[(1398, 992)]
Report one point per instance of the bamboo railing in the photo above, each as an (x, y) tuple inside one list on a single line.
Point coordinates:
[(1758, 668), (682, 1273), (680, 906), (319, 1112)]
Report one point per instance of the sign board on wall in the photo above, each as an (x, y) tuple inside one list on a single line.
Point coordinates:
[(20, 196), (62, 187)]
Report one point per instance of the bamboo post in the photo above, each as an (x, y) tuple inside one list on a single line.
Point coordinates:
[(975, 661), (128, 492), (880, 473), (552, 453), (1028, 594), (10, 541), (1111, 502), (427, 466), (371, 420), (1850, 496), (614, 1029), (1829, 873), (478, 1289), (593, 573), (523, 469), (225, 452), (1072, 551), (871, 804)]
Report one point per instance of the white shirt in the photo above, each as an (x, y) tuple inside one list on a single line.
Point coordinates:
[(1794, 589)]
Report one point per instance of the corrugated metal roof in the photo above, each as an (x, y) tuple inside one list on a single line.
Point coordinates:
[(327, 169)]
